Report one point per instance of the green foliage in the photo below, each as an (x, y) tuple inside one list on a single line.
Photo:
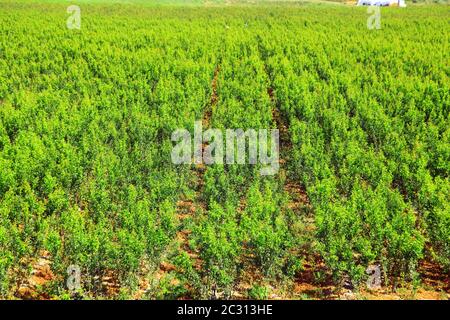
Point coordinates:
[(86, 119), (258, 293)]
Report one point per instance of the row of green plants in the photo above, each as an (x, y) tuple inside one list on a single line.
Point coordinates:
[(85, 124), (243, 236), (369, 125)]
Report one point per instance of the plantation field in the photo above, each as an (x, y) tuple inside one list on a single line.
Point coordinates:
[(88, 190)]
